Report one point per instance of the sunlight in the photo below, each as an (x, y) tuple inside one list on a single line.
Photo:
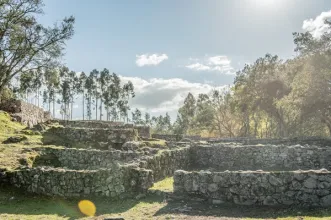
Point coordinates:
[(265, 3)]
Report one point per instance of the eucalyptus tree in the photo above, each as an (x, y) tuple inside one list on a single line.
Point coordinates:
[(25, 85), (136, 117), (52, 84), (187, 112), (147, 119), (88, 96), (95, 93), (127, 92), (37, 83), (25, 44), (81, 89), (68, 89), (111, 96), (103, 81)]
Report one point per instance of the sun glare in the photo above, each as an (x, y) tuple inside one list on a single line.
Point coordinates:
[(264, 3)]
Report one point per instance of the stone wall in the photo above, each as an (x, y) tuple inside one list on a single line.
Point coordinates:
[(166, 162), (168, 137), (112, 136), (176, 137), (88, 124), (310, 188), (112, 182), (100, 173), (318, 141), (25, 113), (82, 158), (143, 131), (222, 157)]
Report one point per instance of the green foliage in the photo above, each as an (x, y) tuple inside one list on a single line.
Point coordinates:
[(6, 94), (26, 45), (270, 97)]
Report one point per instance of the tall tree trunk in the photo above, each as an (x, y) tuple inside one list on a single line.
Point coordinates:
[(96, 108), (38, 96), (100, 109), (49, 105), (72, 105), (54, 107), (83, 105)]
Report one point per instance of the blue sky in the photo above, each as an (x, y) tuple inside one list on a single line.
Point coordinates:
[(168, 48)]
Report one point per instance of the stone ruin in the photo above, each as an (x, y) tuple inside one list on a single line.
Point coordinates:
[(246, 172), (25, 113), (258, 174)]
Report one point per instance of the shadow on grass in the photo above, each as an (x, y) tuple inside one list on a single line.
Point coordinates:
[(203, 208), (14, 201)]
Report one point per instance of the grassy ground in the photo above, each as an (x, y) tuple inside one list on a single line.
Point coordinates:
[(165, 185), (16, 204)]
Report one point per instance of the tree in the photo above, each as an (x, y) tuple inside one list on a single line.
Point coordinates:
[(52, 83), (26, 45), (147, 119), (136, 117), (103, 81), (88, 96), (225, 120), (187, 112)]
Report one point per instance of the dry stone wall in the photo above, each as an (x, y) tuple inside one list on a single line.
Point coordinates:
[(318, 141), (77, 172), (112, 182), (310, 188), (88, 124), (222, 157), (110, 136), (176, 137), (25, 113), (167, 162), (84, 159), (143, 131), (168, 137)]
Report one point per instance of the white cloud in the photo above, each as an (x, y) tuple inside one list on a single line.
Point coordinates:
[(317, 26), (219, 60), (158, 95), (150, 60), (218, 63), (198, 67)]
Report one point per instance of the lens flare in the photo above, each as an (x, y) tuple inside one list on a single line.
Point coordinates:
[(87, 207)]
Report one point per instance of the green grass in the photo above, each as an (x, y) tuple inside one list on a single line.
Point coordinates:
[(155, 143), (16, 204), (16, 154), (27, 206), (8, 127), (165, 185)]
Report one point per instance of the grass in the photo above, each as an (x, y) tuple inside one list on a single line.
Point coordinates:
[(16, 154), (165, 185), (8, 127), (155, 143), (15, 204)]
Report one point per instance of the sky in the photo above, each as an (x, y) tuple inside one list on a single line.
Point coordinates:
[(169, 48)]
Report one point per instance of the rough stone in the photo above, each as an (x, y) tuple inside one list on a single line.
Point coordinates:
[(251, 187)]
